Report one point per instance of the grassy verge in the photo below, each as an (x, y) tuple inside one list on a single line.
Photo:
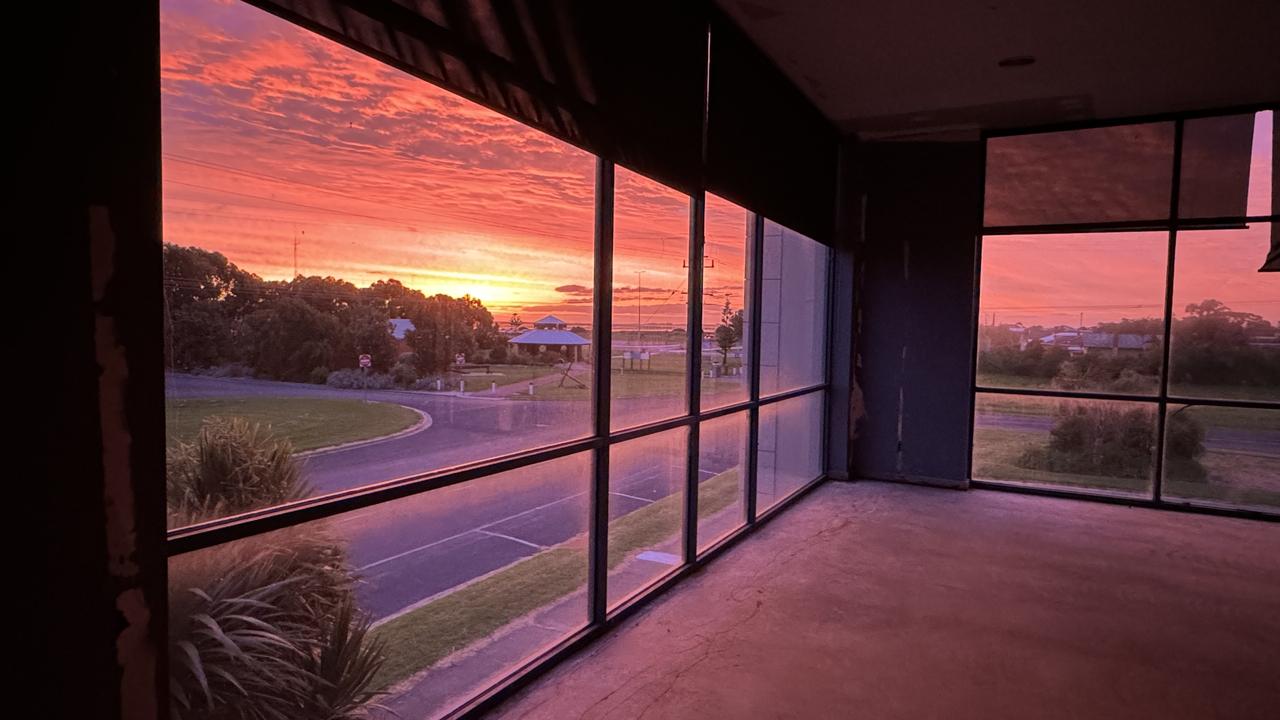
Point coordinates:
[(996, 453), (1238, 478), (308, 423), (505, 375), (423, 636), (664, 376)]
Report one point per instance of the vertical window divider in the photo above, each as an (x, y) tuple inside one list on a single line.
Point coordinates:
[(601, 339), (755, 277), (1162, 401), (697, 250)]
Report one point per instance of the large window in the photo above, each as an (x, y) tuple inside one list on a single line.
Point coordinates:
[(442, 391), (1127, 343)]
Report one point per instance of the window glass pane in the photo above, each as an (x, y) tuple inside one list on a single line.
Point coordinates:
[(1072, 312), (722, 470), (724, 304), (1226, 329), (1103, 174), (321, 208), (1095, 445), (1226, 166), (650, 296), (646, 510), (442, 593), (793, 322), (789, 453), (1223, 456)]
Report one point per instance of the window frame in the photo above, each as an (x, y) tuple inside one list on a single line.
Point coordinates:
[(1171, 224), (601, 616)]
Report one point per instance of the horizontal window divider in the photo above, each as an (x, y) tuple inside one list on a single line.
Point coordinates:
[(216, 532), (1226, 222), (714, 413), (789, 498), (1217, 402), (640, 431), (1069, 394), (779, 397), (1189, 507), (1124, 397), (1161, 224), (1131, 120)]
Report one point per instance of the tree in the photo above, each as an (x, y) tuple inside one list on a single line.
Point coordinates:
[(364, 329), (515, 323), (445, 326), (288, 338), (205, 296), (729, 331)]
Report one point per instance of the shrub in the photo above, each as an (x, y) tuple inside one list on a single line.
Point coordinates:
[(354, 379), (319, 376), (265, 627), (232, 466), (1105, 440), (498, 354), (404, 374)]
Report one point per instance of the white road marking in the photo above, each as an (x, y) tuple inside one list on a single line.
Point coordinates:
[(455, 536), (535, 546), (633, 497), (659, 557)]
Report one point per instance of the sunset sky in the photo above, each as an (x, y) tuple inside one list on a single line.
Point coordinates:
[(273, 135)]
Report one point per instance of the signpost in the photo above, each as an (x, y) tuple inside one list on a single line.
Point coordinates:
[(366, 362)]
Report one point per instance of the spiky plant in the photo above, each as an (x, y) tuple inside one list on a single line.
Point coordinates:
[(232, 466), (264, 628)]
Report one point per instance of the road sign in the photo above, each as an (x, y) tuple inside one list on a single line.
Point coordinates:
[(459, 359), (366, 361)]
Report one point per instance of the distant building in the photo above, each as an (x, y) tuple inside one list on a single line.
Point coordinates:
[(550, 333), (1081, 343)]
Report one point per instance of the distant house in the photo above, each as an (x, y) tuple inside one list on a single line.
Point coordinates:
[(1081, 343), (550, 333)]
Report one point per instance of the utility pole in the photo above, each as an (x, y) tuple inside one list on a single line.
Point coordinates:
[(638, 294), (296, 242)]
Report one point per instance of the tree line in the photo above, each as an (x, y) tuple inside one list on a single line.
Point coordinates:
[(1211, 346), (219, 314)]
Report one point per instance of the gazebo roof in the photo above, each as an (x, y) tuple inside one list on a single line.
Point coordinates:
[(550, 337), (550, 320)]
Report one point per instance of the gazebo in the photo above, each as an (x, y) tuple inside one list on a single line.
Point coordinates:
[(550, 332)]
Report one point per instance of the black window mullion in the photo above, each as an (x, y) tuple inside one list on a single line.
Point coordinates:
[(755, 279), (1162, 407), (601, 339), (697, 251)]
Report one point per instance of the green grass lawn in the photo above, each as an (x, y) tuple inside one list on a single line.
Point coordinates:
[(505, 375), (423, 636), (663, 376), (309, 423)]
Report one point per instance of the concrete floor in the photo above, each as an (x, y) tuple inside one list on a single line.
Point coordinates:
[(874, 600)]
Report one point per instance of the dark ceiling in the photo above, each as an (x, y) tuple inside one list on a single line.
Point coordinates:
[(886, 68)]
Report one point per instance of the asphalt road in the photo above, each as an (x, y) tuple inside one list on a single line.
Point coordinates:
[(411, 549)]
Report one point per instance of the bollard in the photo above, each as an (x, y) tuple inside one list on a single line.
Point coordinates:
[(437, 384), (530, 388), (462, 386), (493, 388)]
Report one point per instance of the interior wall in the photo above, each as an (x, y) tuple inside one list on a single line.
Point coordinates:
[(920, 207), (96, 173)]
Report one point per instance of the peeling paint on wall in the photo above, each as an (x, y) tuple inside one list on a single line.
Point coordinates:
[(135, 650)]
